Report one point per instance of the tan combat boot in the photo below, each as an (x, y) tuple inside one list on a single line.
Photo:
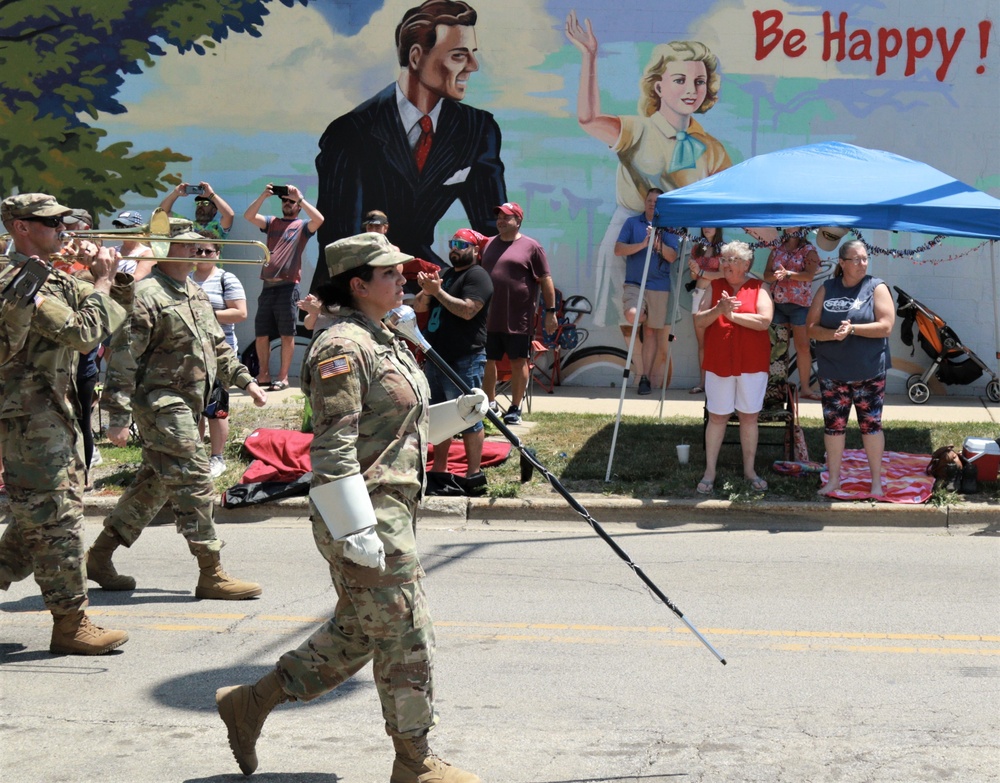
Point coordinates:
[(417, 763), (244, 708), (216, 583), (74, 634), (100, 569)]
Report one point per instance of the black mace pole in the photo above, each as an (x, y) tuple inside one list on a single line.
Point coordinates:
[(404, 321)]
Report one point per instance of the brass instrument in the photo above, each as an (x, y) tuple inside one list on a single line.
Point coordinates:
[(157, 234)]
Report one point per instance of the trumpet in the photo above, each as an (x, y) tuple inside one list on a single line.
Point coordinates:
[(156, 233)]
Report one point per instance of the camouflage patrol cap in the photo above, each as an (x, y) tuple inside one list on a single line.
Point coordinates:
[(370, 248), (191, 235), (25, 205), (180, 226), (80, 216)]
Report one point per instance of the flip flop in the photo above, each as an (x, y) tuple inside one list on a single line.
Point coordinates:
[(811, 396), (758, 484), (705, 487)]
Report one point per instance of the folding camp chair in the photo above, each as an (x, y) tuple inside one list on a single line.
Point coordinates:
[(548, 348)]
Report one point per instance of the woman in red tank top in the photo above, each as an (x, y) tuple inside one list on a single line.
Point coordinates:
[(735, 316)]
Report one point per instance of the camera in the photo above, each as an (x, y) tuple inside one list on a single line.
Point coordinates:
[(280, 190), (194, 190)]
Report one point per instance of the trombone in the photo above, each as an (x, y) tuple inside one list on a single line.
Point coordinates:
[(156, 233)]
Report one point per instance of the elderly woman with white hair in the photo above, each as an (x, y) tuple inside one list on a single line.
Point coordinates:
[(735, 316)]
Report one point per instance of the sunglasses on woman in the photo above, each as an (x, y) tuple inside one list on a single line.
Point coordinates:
[(459, 244), (201, 251)]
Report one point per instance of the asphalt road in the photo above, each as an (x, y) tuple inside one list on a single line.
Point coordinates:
[(852, 655)]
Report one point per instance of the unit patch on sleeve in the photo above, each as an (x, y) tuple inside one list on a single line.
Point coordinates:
[(336, 365)]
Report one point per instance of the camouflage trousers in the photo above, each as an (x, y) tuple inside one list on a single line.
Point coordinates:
[(44, 473), (388, 625), (174, 470)]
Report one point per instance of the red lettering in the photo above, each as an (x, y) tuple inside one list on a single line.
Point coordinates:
[(948, 52), (767, 25), (890, 41), (919, 42), (831, 36), (861, 45), (795, 43)]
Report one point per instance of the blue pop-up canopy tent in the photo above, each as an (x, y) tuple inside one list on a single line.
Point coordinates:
[(830, 184), (833, 184)]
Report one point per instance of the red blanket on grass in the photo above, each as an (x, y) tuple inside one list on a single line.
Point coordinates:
[(903, 478), (283, 455)]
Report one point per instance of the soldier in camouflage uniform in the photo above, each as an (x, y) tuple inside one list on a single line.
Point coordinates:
[(41, 440), (369, 402), (163, 365)]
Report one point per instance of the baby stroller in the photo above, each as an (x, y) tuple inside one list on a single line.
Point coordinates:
[(944, 347)]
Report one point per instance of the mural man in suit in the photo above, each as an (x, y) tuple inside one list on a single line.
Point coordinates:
[(414, 148)]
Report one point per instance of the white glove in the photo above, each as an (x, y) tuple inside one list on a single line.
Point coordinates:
[(450, 418), (472, 407), (365, 548)]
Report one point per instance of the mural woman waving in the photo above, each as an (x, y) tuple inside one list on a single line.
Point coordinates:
[(663, 147)]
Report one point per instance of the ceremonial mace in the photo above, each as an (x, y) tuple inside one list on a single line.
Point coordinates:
[(404, 321)]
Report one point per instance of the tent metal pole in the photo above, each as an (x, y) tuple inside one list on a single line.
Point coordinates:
[(628, 359), (996, 303), (671, 320)]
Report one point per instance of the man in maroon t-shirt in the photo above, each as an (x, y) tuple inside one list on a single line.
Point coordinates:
[(276, 308), (518, 268)]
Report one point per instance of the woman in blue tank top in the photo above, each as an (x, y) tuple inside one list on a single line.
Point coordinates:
[(851, 318)]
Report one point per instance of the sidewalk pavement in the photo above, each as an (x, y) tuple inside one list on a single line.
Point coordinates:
[(650, 514), (677, 402)]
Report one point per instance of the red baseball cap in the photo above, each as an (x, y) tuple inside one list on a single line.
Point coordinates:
[(510, 208)]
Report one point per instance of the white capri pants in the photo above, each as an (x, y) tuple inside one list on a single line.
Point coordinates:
[(743, 393)]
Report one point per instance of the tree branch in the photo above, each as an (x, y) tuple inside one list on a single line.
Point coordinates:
[(31, 34)]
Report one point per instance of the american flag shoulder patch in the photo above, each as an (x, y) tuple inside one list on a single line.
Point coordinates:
[(336, 365)]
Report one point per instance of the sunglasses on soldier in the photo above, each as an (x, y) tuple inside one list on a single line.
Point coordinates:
[(49, 222)]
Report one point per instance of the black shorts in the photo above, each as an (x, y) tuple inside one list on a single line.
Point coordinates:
[(515, 346), (277, 314), (218, 402)]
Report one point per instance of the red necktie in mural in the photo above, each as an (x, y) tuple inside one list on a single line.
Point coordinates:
[(423, 148)]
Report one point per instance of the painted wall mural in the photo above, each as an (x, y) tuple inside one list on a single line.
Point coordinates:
[(572, 108)]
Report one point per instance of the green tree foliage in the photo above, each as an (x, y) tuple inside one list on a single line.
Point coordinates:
[(62, 62)]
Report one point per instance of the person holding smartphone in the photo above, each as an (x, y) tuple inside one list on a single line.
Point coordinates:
[(211, 212), (277, 306)]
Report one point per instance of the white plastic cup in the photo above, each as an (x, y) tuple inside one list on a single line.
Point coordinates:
[(683, 453)]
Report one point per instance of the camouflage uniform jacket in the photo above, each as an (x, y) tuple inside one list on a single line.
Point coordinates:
[(369, 401), (70, 317), (170, 352)]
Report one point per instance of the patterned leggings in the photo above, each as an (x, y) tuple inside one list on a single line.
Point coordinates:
[(866, 396)]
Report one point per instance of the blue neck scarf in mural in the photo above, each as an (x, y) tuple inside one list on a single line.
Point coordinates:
[(686, 152)]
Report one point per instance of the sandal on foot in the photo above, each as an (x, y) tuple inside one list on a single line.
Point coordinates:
[(811, 396), (277, 386), (696, 390), (705, 487), (758, 484)]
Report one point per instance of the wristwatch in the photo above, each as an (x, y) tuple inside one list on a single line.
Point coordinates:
[(552, 309)]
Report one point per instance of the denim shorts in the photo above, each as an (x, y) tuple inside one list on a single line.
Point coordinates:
[(788, 313), (468, 368)]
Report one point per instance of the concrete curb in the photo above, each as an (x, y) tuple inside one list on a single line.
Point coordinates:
[(648, 514)]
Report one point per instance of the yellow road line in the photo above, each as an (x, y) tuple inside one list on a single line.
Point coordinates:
[(554, 633)]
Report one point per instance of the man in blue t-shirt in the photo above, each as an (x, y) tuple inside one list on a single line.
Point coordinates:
[(633, 242)]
